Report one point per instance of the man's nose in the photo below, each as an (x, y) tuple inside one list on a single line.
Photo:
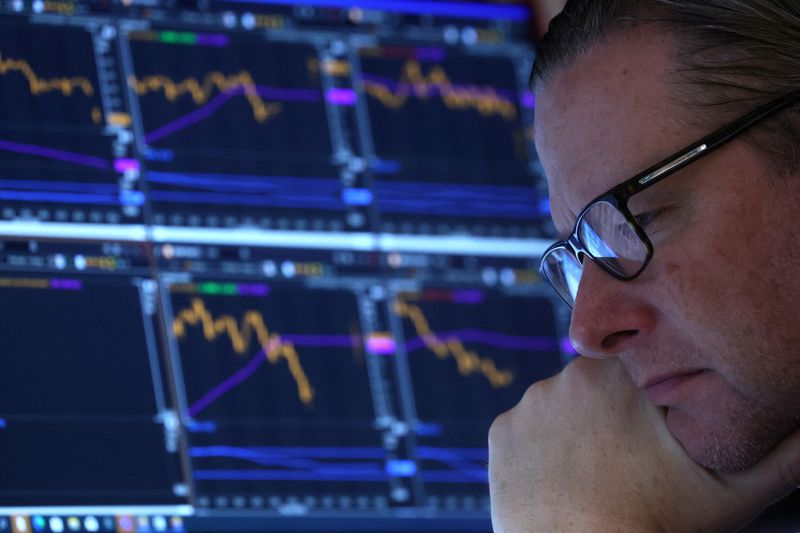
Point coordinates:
[(608, 318)]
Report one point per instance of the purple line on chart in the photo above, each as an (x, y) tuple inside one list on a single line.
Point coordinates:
[(235, 379), (499, 340), (328, 341), (53, 153), (259, 359)]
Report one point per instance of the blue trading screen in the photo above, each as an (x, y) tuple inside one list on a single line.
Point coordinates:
[(266, 265)]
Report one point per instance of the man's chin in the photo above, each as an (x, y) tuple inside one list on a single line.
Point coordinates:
[(720, 445)]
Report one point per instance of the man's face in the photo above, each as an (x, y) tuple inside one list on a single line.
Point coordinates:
[(711, 329)]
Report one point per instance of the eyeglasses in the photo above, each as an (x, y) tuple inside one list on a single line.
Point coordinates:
[(607, 232)]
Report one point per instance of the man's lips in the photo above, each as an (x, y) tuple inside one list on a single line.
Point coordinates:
[(665, 388)]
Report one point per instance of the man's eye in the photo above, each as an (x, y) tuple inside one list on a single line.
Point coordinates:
[(645, 219)]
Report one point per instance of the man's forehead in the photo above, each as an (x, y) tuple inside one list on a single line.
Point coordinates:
[(605, 117)]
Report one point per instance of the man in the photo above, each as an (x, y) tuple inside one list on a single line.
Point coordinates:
[(683, 280)]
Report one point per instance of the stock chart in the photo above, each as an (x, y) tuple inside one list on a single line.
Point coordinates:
[(259, 262), (450, 141), (59, 159), (277, 391), (78, 417), (235, 130), (488, 347)]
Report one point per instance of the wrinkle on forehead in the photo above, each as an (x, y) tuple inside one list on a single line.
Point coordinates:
[(605, 118)]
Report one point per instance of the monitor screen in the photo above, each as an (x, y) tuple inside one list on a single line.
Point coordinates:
[(266, 265)]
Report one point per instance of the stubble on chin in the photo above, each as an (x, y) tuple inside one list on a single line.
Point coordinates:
[(734, 441)]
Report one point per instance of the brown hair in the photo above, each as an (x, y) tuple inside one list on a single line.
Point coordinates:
[(731, 55)]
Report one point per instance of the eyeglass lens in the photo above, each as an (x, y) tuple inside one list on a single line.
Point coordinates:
[(609, 238)]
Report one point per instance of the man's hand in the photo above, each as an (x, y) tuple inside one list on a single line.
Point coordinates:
[(587, 451)]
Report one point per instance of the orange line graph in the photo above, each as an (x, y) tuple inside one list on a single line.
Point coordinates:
[(202, 91), (242, 336), (65, 85), (467, 362), (413, 83)]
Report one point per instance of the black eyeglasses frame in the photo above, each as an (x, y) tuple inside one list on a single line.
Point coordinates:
[(619, 195)]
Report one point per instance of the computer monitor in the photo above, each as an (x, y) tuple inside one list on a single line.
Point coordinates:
[(268, 265)]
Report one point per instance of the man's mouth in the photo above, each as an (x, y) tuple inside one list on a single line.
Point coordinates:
[(665, 389)]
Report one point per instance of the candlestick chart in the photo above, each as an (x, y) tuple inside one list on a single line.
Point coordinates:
[(57, 164), (449, 137), (277, 390)]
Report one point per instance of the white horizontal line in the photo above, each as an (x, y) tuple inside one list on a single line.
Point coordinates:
[(100, 510), (256, 237), (463, 245), (121, 232), (436, 244)]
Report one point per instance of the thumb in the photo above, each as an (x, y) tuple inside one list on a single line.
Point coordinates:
[(773, 477)]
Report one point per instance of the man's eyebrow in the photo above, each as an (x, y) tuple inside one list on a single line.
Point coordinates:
[(663, 192)]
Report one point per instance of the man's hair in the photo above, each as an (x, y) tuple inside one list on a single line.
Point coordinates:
[(730, 56)]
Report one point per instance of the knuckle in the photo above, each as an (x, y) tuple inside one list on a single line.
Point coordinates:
[(534, 394), (498, 431)]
